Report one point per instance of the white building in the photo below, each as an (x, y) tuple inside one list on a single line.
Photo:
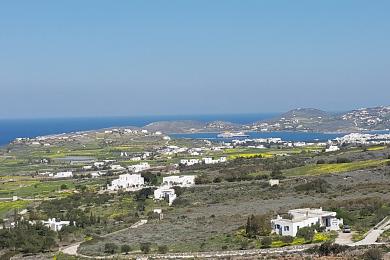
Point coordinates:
[(159, 213), (139, 167), (116, 167), (189, 162), (126, 181), (98, 164), (182, 180), (55, 225), (165, 193), (332, 148), (210, 160), (273, 182), (63, 175), (305, 217)]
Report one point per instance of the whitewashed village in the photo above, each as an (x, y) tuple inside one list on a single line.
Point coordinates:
[(166, 167)]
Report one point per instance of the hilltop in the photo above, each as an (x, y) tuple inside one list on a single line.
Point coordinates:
[(300, 119), (310, 119)]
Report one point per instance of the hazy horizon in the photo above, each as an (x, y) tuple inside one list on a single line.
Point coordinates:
[(138, 58)]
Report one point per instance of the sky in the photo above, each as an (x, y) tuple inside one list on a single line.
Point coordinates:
[(130, 58)]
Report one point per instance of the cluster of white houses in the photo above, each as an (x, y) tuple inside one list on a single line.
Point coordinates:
[(52, 223), (305, 217), (133, 182), (127, 181), (139, 167), (205, 160)]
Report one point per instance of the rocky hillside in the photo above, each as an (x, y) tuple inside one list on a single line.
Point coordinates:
[(301, 119), (309, 119)]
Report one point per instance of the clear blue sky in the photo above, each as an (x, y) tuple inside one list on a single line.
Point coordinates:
[(99, 58)]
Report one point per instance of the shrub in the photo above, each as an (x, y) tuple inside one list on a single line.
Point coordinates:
[(202, 179), (287, 239), (318, 185), (327, 249), (125, 249), (244, 244), (306, 232), (373, 254), (276, 174), (321, 161), (145, 248), (217, 180), (343, 160), (266, 242), (163, 249), (110, 248), (258, 226)]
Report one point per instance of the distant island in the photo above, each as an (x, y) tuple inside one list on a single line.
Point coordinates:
[(300, 119)]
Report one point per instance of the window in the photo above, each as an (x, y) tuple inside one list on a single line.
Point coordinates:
[(286, 228)]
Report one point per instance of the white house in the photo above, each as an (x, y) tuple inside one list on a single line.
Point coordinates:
[(305, 217), (210, 160), (55, 225), (139, 167), (98, 164), (159, 213), (165, 193), (116, 167), (273, 182), (189, 162), (332, 148), (126, 181), (68, 174), (182, 180)]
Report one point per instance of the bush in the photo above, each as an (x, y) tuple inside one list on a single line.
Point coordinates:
[(64, 186), (318, 185), (125, 249), (328, 248), (145, 248), (110, 248), (266, 242), (276, 174), (143, 194), (202, 179), (287, 239), (258, 226), (343, 160), (373, 254), (217, 180), (321, 161), (244, 244), (162, 249), (306, 232)]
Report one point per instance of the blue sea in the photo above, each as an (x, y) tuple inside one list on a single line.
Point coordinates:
[(14, 128), (286, 136)]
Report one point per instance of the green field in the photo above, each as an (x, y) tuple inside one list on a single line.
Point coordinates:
[(318, 169), (7, 206), (33, 188)]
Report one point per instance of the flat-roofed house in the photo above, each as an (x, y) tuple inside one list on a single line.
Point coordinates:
[(305, 217)]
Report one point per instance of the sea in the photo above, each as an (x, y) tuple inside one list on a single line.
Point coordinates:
[(14, 128), (285, 136)]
